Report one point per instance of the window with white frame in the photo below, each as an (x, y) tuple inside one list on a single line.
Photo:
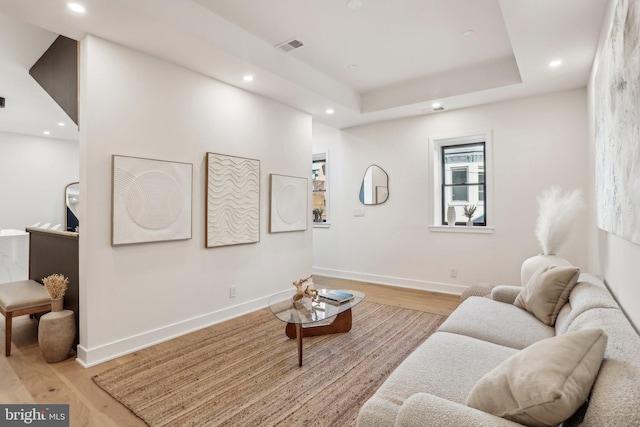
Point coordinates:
[(460, 166)]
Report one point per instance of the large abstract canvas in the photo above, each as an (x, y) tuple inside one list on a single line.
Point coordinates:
[(233, 200), (151, 200), (617, 111), (288, 203)]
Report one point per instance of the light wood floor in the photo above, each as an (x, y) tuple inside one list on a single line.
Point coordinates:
[(26, 378)]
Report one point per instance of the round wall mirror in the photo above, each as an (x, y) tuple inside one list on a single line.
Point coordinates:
[(72, 199), (375, 186)]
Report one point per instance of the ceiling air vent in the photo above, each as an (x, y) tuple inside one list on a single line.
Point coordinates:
[(290, 45)]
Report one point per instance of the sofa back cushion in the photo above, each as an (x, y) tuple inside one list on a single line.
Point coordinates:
[(589, 293), (615, 396)]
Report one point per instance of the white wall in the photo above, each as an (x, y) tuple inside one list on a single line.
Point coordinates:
[(613, 258), (537, 142), (136, 105), (34, 172)]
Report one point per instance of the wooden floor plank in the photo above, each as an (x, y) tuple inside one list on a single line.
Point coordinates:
[(25, 377)]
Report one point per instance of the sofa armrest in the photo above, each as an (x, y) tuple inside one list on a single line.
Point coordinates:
[(424, 409), (505, 293)]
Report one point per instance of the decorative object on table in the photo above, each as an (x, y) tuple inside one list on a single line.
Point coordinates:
[(233, 200), (56, 285), (617, 151), (317, 214), (289, 199), (335, 297), (556, 212), (57, 329), (451, 215), (307, 292), (151, 200), (468, 212)]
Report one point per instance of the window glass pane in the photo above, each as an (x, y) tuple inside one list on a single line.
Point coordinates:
[(459, 175), (319, 191), (460, 193), (463, 181)]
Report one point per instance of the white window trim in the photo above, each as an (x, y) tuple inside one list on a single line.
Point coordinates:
[(327, 194), (435, 161)]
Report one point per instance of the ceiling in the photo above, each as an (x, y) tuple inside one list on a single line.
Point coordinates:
[(379, 61)]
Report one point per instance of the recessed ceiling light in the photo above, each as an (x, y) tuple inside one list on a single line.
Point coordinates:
[(46, 132), (354, 4), (467, 33), (60, 124), (555, 63), (329, 111), (248, 78), (76, 7)]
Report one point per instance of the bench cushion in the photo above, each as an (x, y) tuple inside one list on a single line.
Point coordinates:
[(22, 294)]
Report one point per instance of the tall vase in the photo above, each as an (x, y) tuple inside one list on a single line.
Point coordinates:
[(56, 333), (531, 265), (451, 215)]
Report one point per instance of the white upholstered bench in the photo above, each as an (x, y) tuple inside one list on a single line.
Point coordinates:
[(21, 298)]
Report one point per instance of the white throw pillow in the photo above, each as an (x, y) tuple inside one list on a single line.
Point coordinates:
[(545, 383), (547, 291)]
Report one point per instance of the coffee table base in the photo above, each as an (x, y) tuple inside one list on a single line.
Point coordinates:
[(341, 323)]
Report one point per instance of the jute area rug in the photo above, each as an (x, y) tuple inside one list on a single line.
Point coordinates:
[(245, 372)]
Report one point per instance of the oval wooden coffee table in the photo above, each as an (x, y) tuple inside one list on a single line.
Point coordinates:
[(303, 317)]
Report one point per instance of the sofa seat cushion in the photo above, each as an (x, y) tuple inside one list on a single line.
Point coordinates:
[(544, 384), (446, 365), (424, 409), (22, 294), (496, 322)]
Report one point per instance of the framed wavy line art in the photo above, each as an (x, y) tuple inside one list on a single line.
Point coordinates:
[(151, 200), (288, 203), (233, 200)]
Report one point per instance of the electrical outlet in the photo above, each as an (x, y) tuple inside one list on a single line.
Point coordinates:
[(232, 292), (453, 272)]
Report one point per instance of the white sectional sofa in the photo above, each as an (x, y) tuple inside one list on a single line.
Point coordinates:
[(432, 386)]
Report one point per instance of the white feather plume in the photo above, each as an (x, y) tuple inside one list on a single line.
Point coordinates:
[(555, 215)]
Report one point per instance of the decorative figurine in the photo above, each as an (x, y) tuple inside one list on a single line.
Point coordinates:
[(306, 292)]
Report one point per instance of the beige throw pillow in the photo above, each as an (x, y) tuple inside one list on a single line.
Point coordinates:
[(545, 383), (547, 291)]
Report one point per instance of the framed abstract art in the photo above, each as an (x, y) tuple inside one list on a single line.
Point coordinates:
[(288, 210), (233, 200), (151, 200)]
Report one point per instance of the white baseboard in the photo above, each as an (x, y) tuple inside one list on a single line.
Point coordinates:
[(443, 288), (88, 357)]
